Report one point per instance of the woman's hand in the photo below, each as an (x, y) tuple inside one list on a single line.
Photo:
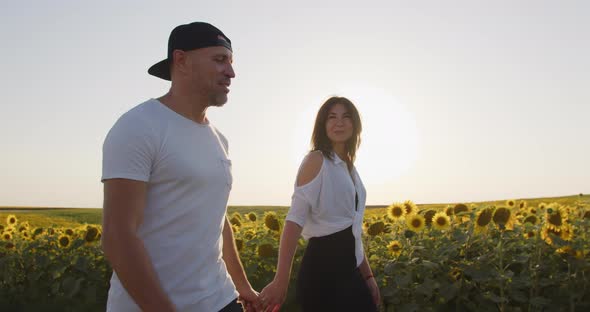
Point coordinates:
[(273, 295), (250, 300), (372, 284)]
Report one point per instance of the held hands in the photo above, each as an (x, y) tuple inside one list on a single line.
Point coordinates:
[(273, 296), (250, 300)]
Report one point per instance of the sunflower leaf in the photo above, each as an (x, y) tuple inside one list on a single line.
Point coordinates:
[(404, 280), (449, 292), (540, 301), (409, 307)]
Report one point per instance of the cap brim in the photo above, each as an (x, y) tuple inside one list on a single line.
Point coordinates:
[(161, 70)]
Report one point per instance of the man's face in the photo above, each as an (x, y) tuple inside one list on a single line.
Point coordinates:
[(211, 73)]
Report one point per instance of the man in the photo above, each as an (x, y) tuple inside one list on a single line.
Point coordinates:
[(167, 178)]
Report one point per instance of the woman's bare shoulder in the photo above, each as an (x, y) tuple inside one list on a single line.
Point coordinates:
[(310, 168)]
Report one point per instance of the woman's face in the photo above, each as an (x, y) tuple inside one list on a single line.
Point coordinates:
[(339, 126)]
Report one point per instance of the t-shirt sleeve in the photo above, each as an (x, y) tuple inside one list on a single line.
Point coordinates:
[(128, 150), (300, 208), (304, 198)]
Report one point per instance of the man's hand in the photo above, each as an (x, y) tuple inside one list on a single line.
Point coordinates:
[(273, 295), (250, 300)]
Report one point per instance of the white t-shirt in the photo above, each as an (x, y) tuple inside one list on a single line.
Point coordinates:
[(326, 204), (188, 174)]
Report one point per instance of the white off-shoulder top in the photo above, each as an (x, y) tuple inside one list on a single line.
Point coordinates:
[(328, 203)]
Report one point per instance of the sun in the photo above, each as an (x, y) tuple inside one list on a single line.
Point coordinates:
[(389, 146)]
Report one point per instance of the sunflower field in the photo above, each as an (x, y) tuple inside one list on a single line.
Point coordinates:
[(512, 256), (515, 255), (51, 269)]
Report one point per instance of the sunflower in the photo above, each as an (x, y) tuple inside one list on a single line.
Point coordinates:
[(235, 221), (566, 250), (1, 227), (11, 220), (411, 208), (581, 210), (449, 210), (529, 234), (532, 219), (252, 217), (38, 231), (455, 274), (511, 203), (6, 236), (542, 206), (250, 234), (428, 216), (415, 222), (271, 221), (91, 234), (459, 208), (586, 214), (395, 248), (441, 221), (522, 204), (555, 217), (64, 241), (503, 218), (567, 232), (69, 232), (546, 232), (237, 215), (239, 244), (376, 228), (532, 210), (267, 251), (23, 227), (483, 218), (26, 235), (396, 211)]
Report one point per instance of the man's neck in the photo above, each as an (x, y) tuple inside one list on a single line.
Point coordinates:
[(187, 105)]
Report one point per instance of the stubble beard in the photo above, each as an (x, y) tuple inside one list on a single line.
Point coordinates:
[(217, 100)]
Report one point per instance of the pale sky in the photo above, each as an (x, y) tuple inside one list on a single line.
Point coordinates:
[(460, 100)]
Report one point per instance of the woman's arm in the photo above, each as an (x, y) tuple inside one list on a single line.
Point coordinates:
[(287, 249), (367, 275), (274, 294)]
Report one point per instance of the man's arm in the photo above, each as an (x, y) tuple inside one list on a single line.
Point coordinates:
[(234, 265), (124, 203)]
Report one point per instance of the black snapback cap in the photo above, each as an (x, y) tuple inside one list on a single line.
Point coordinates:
[(188, 37)]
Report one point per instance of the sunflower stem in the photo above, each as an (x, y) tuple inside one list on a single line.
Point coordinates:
[(569, 282), (501, 254), (534, 275)]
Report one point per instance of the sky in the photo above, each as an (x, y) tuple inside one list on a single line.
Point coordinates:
[(460, 100)]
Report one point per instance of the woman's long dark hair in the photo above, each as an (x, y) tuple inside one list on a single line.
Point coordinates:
[(319, 138)]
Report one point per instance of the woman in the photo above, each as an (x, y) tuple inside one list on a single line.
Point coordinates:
[(327, 210)]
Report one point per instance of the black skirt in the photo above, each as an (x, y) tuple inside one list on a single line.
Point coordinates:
[(329, 279)]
